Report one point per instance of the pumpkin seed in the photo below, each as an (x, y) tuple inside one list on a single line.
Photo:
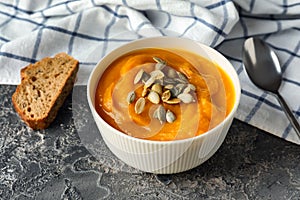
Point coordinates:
[(179, 80), (139, 105), (170, 116), (168, 87), (159, 81), (174, 92), (182, 77), (131, 97), (157, 88), (189, 88), (161, 114), (186, 90), (145, 77), (159, 66), (157, 74), (138, 76), (169, 81), (171, 73), (192, 87), (173, 101), (166, 95), (153, 97), (145, 91), (180, 87), (149, 82), (186, 98), (159, 60), (167, 84)]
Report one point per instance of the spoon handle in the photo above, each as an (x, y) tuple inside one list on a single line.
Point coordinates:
[(289, 114)]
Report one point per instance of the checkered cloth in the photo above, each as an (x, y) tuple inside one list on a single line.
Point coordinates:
[(89, 29)]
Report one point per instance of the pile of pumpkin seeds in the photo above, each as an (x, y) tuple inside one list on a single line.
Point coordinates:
[(163, 84)]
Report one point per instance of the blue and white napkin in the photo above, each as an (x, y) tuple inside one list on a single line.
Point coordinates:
[(278, 23), (89, 29)]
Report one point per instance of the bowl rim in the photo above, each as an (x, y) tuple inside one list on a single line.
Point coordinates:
[(236, 83)]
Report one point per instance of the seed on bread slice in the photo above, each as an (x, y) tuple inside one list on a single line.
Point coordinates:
[(43, 89)]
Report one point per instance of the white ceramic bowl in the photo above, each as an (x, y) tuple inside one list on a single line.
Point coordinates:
[(157, 156)]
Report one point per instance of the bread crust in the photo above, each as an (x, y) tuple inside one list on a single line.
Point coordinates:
[(30, 99)]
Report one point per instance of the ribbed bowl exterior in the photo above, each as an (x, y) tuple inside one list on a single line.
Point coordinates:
[(162, 157)]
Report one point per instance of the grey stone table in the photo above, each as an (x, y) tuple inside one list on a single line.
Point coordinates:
[(61, 163)]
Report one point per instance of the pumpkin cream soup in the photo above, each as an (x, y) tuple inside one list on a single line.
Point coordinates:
[(164, 94)]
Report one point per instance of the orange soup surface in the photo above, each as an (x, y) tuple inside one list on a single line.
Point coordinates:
[(164, 94)]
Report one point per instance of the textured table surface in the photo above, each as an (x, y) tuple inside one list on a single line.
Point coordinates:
[(60, 163)]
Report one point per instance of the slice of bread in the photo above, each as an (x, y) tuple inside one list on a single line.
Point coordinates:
[(43, 89)]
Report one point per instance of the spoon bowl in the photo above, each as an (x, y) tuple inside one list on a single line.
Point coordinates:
[(263, 68), (262, 65)]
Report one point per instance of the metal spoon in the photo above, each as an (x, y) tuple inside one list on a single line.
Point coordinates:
[(263, 68)]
